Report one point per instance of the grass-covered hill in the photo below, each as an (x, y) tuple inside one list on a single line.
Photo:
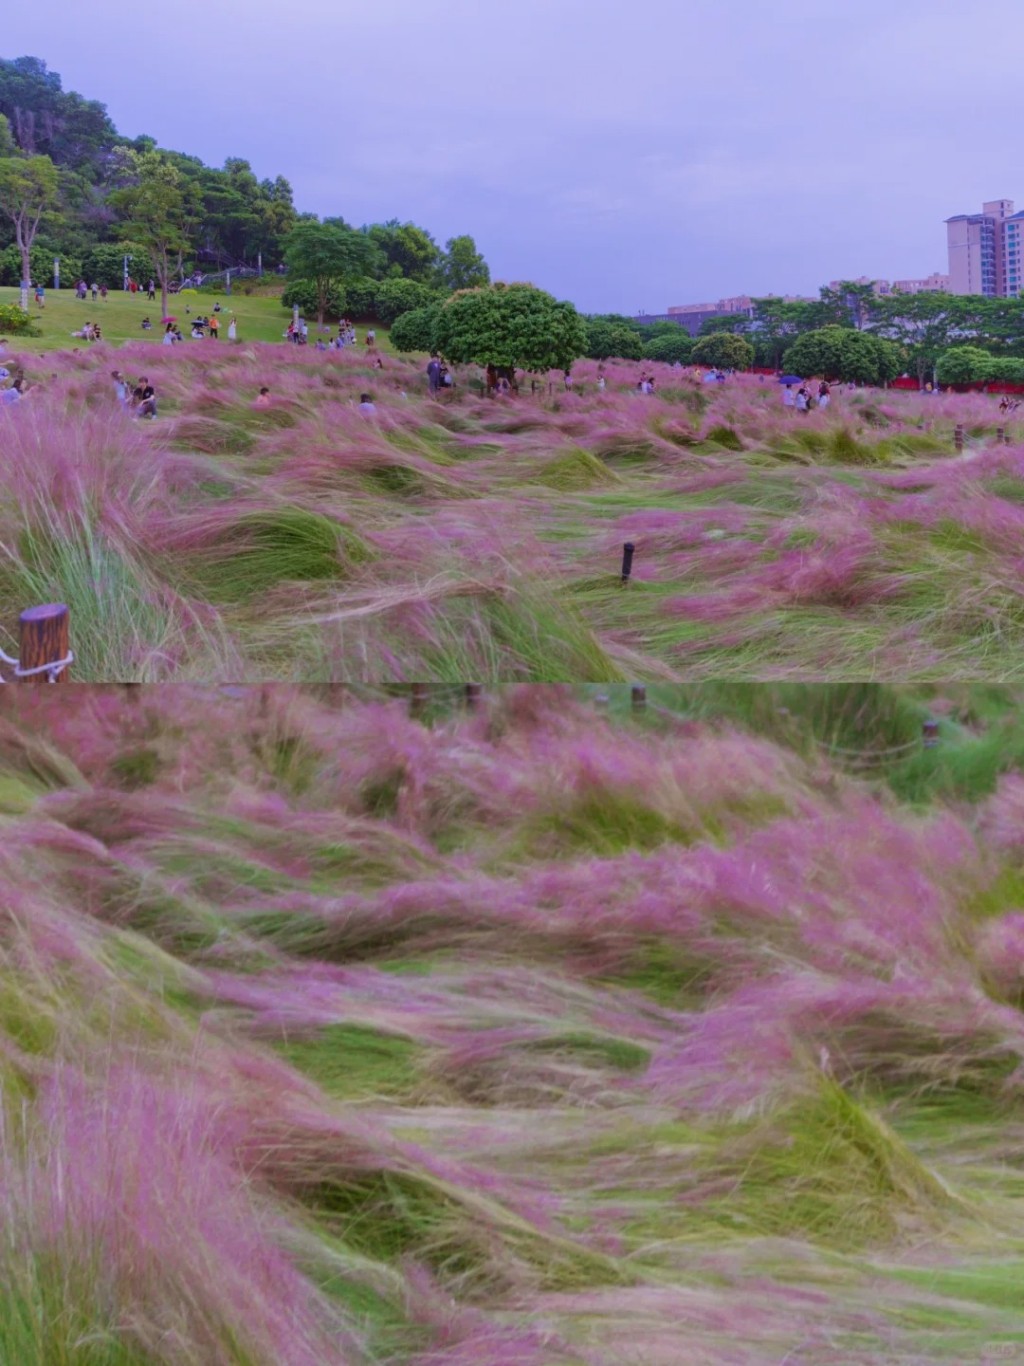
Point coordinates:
[(478, 538), (540, 1034)]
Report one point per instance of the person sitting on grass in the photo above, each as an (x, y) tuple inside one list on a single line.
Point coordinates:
[(120, 388), (263, 398), (197, 332), (144, 398), (366, 403), (13, 394), (146, 325)]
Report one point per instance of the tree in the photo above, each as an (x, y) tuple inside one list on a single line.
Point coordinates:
[(462, 266), (403, 249), (964, 365), (925, 325), (513, 326), (160, 210), (605, 339), (28, 186), (416, 330), (844, 354), (723, 351), (104, 263), (395, 297), (670, 348), (324, 254)]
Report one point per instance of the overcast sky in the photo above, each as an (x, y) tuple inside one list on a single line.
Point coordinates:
[(625, 156)]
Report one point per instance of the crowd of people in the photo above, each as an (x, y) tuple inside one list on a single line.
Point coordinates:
[(803, 400)]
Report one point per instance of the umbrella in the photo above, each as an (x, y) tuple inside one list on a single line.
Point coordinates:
[(168, 319), (790, 379)]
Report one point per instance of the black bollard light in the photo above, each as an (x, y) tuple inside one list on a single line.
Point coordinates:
[(627, 560)]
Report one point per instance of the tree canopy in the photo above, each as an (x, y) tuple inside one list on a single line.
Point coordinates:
[(722, 350), (670, 347), (324, 255), (606, 339), (841, 353), (513, 325)]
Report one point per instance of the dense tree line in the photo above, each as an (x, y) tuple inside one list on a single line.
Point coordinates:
[(72, 187)]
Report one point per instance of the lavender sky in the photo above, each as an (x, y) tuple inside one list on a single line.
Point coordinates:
[(623, 156)]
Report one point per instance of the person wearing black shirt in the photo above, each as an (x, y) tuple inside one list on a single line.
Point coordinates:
[(144, 398)]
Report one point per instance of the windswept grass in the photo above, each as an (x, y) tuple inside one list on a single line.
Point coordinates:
[(483, 538), (538, 1034)]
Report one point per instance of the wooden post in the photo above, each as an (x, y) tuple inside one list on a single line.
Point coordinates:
[(1000, 436), (639, 697), (958, 437), (930, 733), (417, 700), (627, 560), (474, 694), (44, 639)]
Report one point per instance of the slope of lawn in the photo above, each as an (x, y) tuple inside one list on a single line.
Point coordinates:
[(532, 1035), (259, 317), (483, 538)]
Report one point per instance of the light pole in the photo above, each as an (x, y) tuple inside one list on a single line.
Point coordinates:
[(56, 272), (125, 285)]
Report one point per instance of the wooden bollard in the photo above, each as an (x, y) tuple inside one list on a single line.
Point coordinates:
[(1000, 436), (930, 733), (417, 700), (474, 694), (44, 638), (639, 697), (958, 437), (627, 560)]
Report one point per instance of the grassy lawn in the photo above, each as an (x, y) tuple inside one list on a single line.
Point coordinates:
[(259, 317)]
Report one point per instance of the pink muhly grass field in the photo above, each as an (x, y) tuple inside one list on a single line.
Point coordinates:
[(532, 1034), (478, 537)]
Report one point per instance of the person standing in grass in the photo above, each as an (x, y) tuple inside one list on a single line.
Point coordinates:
[(120, 388), (103, 293), (151, 290), (95, 289), (263, 399), (433, 375), (802, 397), (824, 394), (214, 326), (232, 329), (40, 296)]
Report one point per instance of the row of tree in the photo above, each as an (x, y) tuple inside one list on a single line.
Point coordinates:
[(72, 187)]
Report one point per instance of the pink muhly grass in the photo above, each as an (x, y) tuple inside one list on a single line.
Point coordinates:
[(127, 1183)]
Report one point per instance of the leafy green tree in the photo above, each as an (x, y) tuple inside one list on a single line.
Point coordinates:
[(361, 294), (395, 297), (605, 339), (516, 326), (724, 322), (925, 325), (8, 147), (104, 263), (324, 255), (160, 208), (723, 351), (964, 365), (303, 293), (403, 249), (670, 347), (416, 330), (462, 266), (28, 187), (842, 353)]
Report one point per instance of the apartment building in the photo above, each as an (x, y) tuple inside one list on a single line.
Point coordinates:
[(980, 258)]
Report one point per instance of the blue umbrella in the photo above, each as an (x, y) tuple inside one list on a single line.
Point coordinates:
[(790, 379)]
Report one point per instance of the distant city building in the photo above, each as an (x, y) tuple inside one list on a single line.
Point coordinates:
[(931, 284), (984, 251)]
